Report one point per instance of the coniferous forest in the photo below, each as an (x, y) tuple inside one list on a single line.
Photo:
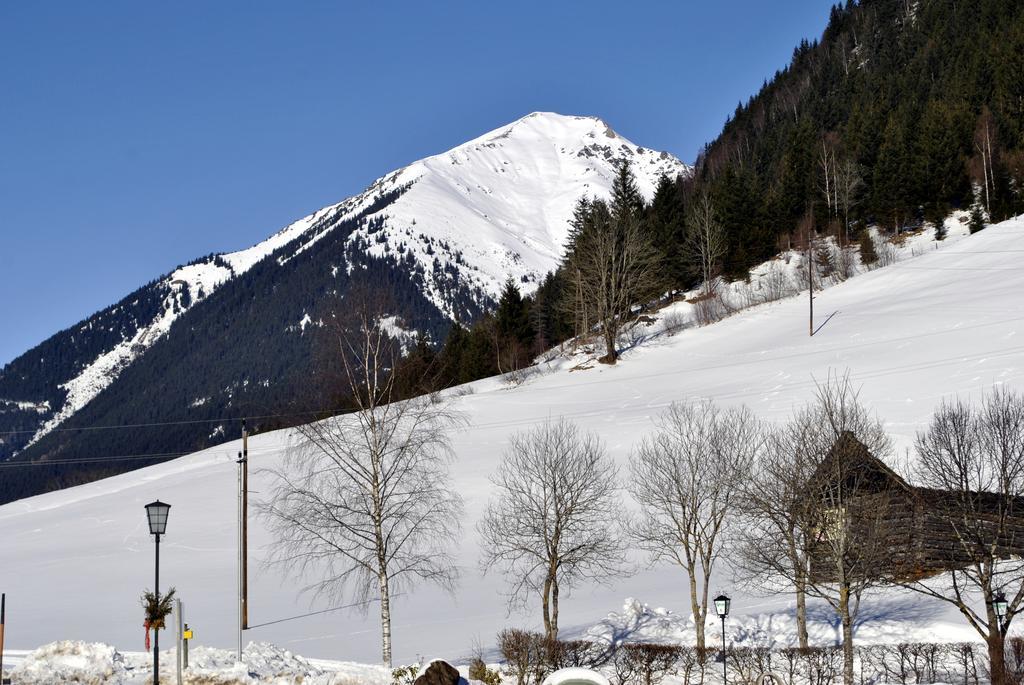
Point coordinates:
[(899, 114)]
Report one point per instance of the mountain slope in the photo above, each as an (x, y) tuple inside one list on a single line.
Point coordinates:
[(230, 334), (899, 113), (925, 328)]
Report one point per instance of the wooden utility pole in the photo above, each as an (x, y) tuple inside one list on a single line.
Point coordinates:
[(245, 527), (243, 538), (238, 579), (810, 279)]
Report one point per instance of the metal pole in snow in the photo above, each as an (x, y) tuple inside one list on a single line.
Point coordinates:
[(156, 630), (3, 617), (725, 674), (177, 641)]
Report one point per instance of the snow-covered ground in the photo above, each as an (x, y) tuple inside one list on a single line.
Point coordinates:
[(95, 663), (946, 321)]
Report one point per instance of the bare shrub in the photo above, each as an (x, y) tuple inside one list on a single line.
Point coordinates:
[(887, 252), (478, 670), (822, 665), (673, 321), (775, 283), (640, 663), (575, 654), (522, 654), (748, 663), (692, 664)]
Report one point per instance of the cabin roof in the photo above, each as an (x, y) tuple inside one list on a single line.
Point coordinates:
[(851, 461)]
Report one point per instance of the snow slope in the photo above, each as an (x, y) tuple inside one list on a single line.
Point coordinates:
[(949, 321), (495, 207)]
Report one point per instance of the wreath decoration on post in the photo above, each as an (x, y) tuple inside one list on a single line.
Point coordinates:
[(156, 609)]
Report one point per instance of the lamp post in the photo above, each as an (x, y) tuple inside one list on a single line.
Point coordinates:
[(722, 603), (999, 605), (156, 514)]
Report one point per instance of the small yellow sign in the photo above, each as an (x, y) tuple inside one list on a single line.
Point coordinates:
[(187, 635)]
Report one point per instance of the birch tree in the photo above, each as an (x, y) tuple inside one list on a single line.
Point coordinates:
[(361, 508), (705, 241), (553, 519), (684, 479), (849, 183)]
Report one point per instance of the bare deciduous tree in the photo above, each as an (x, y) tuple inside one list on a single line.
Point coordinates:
[(684, 480), (975, 455), (773, 542), (848, 534), (805, 522), (704, 248), (849, 182), (361, 505), (553, 519)]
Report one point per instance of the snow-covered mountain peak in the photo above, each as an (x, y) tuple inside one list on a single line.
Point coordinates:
[(449, 229), (504, 199)]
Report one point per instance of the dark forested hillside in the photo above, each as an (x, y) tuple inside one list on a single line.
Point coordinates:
[(241, 352), (902, 111)]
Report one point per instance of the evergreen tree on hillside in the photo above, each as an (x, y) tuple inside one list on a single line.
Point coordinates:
[(939, 159), (897, 87), (892, 178), (512, 318), (868, 254), (666, 220), (609, 262), (627, 202)]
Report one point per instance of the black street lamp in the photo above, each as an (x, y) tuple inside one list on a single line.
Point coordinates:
[(999, 605), (156, 513), (722, 603)]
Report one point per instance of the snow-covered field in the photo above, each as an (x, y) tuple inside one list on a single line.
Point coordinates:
[(947, 321)]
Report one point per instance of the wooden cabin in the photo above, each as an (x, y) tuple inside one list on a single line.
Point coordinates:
[(891, 530)]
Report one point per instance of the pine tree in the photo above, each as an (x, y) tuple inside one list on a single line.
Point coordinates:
[(868, 254), (512, 317), (666, 226), (452, 355), (626, 197), (977, 219)]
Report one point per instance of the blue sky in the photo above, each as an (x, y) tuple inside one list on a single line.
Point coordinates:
[(138, 136)]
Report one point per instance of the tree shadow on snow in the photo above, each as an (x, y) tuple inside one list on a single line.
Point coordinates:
[(901, 610)]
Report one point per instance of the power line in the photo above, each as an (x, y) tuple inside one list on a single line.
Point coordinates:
[(151, 456), (646, 408), (157, 424), (327, 413)]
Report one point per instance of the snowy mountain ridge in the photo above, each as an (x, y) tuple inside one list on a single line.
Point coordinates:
[(465, 220)]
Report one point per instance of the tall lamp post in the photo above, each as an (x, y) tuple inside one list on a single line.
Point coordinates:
[(722, 603), (156, 514), (999, 605)]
